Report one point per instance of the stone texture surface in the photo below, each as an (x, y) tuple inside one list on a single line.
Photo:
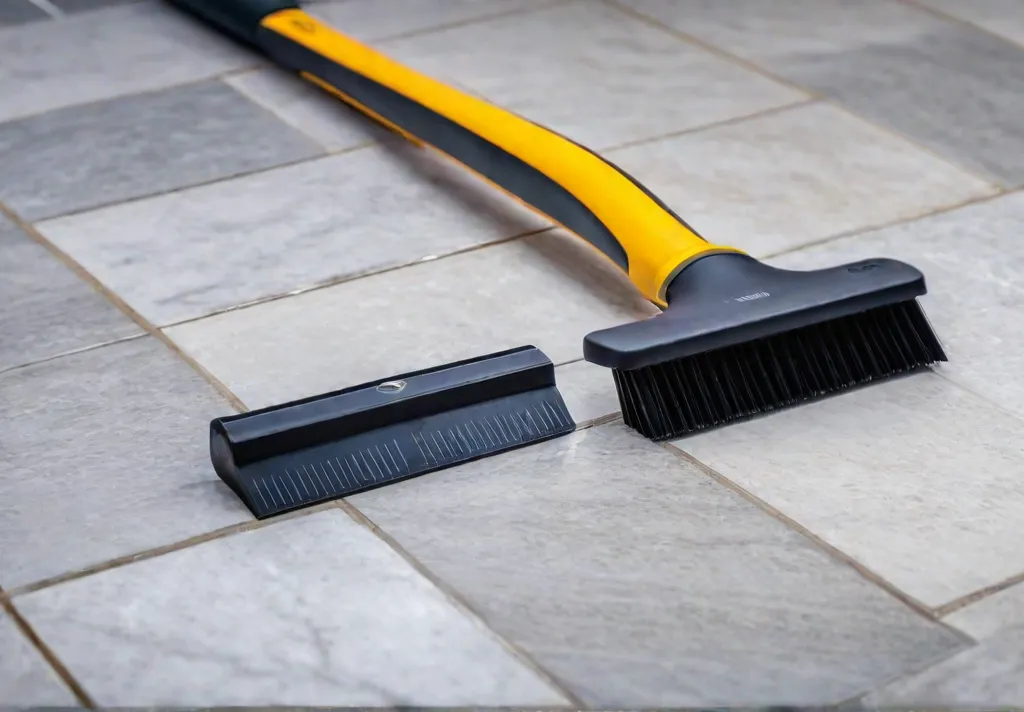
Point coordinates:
[(84, 157), (312, 611), (638, 581), (101, 55), (233, 242), (45, 309), (105, 454), (992, 614), (17, 12), (1001, 17), (25, 676), (421, 316)]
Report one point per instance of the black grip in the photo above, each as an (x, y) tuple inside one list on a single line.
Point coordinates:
[(237, 18)]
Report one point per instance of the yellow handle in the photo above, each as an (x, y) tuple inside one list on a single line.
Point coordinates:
[(567, 183)]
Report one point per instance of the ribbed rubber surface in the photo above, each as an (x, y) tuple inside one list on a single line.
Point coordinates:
[(680, 397)]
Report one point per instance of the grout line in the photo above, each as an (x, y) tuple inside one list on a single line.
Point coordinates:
[(482, 19), (980, 594), (837, 554), (462, 605), (223, 532), (51, 657), (945, 16), (144, 323), (356, 276), (825, 98), (939, 371), (863, 230), (72, 352), (48, 7)]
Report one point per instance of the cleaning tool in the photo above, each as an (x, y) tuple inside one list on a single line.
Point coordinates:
[(317, 449), (736, 337)]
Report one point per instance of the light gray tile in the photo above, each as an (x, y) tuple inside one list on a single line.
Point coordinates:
[(584, 68), (1001, 17), (372, 21), (776, 182), (991, 614), (312, 611), (45, 309), (72, 6), (17, 12), (548, 290), (972, 260), (308, 108), (915, 478), (100, 55), (85, 156), (988, 675), (952, 88), (588, 391), (25, 677), (105, 453), (639, 582), (233, 242)]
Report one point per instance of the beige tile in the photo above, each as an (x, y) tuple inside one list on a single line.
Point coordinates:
[(641, 583), (373, 21), (312, 611), (271, 233), (105, 54), (777, 182), (588, 391), (548, 290), (1000, 17), (991, 614), (592, 73), (915, 477), (972, 259)]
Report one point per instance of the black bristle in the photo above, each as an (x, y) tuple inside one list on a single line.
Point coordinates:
[(676, 398)]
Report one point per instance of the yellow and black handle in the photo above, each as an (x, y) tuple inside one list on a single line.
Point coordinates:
[(567, 183)]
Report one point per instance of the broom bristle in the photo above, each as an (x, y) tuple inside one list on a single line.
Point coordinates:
[(679, 397)]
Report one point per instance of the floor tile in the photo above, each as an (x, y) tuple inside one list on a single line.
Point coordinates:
[(548, 290), (106, 453), (1001, 17), (101, 55), (989, 675), (776, 182), (972, 262), (139, 145), (991, 614), (271, 233), (308, 108), (72, 6), (588, 391), (657, 589), (562, 67), (312, 611), (17, 12), (45, 309), (372, 21), (957, 90), (25, 677), (916, 478)]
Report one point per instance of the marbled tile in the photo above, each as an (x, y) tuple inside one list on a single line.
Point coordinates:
[(592, 73), (990, 675), (776, 182), (957, 90), (992, 614), (233, 242), (639, 582), (45, 309), (1001, 17), (87, 156), (105, 454), (315, 610), (101, 55), (549, 290), (26, 679)]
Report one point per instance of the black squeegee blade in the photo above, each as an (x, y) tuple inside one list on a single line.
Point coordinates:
[(308, 451)]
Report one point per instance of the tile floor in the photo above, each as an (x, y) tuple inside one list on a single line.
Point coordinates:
[(186, 231)]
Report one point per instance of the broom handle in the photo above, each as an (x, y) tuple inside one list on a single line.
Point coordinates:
[(565, 182)]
